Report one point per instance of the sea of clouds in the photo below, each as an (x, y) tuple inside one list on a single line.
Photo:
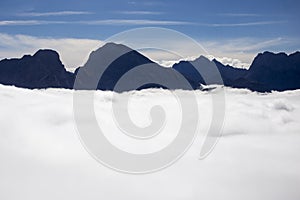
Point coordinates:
[(257, 157)]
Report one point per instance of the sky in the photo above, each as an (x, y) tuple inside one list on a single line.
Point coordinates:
[(232, 31)]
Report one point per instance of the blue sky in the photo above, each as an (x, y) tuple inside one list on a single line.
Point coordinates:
[(241, 23)]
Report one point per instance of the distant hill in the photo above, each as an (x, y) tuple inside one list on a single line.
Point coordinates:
[(44, 69)]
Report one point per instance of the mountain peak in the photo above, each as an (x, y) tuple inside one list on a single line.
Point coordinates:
[(108, 49), (46, 53), (295, 55), (269, 58), (202, 58), (42, 70), (269, 54), (49, 57), (112, 47)]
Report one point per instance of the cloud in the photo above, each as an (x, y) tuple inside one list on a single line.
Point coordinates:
[(240, 52), (29, 22), (19, 22), (73, 52), (235, 52), (42, 157), (106, 22), (256, 23), (59, 13), (240, 14), (139, 12), (147, 3), (169, 58), (132, 2), (281, 104), (134, 22), (230, 61)]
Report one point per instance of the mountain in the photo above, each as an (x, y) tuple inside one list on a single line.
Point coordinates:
[(112, 61), (268, 71), (227, 74), (123, 69), (42, 70), (271, 71), (98, 64)]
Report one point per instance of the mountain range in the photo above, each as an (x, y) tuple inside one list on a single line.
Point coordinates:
[(44, 69)]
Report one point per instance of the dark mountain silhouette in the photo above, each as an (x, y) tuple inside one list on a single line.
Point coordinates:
[(112, 61), (44, 69), (271, 71), (98, 64), (204, 66)]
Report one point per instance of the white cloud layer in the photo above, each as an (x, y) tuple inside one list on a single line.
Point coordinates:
[(257, 157), (230, 61)]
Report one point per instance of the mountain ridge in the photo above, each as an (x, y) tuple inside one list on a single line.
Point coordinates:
[(268, 71)]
